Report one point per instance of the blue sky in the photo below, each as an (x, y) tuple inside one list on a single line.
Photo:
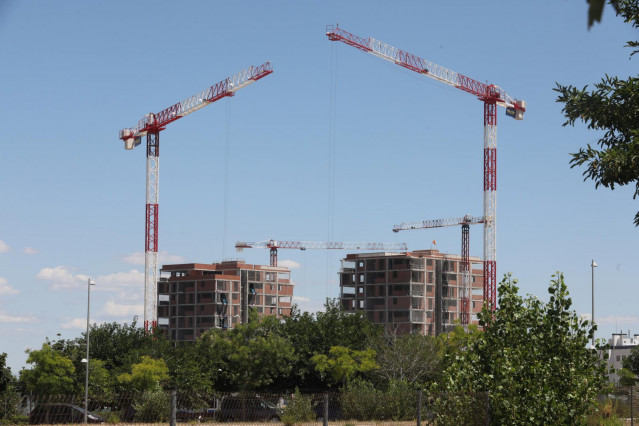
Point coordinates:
[(407, 148)]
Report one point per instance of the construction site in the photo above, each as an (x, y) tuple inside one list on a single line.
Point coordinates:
[(419, 291)]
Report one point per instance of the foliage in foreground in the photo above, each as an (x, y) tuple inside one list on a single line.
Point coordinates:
[(298, 409), (532, 361), (613, 108)]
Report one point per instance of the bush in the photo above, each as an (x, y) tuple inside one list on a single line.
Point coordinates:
[(298, 409), (465, 408), (153, 406), (15, 419), (112, 418), (361, 401)]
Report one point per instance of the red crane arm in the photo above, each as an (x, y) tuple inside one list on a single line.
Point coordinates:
[(515, 108), (153, 123)]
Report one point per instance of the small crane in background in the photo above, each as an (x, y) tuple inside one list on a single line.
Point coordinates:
[(273, 245), (465, 223)]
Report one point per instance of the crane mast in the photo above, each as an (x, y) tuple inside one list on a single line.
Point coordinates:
[(150, 126), (492, 96), (465, 223), (273, 245)]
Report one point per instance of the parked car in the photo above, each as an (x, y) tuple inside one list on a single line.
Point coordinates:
[(61, 413), (247, 409), (185, 415)]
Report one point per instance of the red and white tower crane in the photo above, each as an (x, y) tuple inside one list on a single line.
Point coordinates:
[(151, 126), (492, 96), (273, 245), (465, 223)]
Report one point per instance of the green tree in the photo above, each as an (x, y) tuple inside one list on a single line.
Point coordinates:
[(613, 108), (626, 377), (312, 334), (250, 356), (595, 9), (342, 364), (51, 374), (632, 361), (7, 381), (532, 361), (147, 375), (100, 379), (411, 358)]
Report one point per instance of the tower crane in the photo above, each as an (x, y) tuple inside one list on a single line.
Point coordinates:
[(492, 96), (465, 223), (151, 126), (273, 245)]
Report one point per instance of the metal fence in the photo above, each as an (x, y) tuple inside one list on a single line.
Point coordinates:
[(365, 406), (174, 407)]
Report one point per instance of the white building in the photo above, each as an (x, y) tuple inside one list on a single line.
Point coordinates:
[(619, 347)]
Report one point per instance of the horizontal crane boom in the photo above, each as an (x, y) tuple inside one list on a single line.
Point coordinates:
[(439, 223), (152, 123), (515, 108), (310, 245)]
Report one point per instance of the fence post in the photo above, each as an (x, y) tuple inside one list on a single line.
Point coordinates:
[(173, 406), (487, 396), (325, 421), (632, 403), (419, 407)]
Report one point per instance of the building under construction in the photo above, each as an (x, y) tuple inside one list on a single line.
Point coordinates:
[(412, 292), (195, 297)]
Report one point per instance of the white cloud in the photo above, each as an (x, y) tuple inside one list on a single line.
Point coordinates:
[(30, 250), (77, 323), (62, 277), (16, 319), (290, 264), (306, 304), (4, 247), (6, 289), (118, 280), (118, 310), (137, 258)]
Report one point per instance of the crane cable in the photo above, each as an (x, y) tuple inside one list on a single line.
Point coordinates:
[(331, 163), (226, 175)]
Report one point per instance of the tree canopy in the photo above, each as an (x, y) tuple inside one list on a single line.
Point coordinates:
[(51, 374), (532, 361), (612, 107)]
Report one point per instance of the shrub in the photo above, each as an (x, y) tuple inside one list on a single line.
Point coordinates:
[(298, 409), (112, 418), (153, 406)]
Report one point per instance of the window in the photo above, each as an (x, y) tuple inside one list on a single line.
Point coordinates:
[(618, 358), (394, 301), (430, 304)]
